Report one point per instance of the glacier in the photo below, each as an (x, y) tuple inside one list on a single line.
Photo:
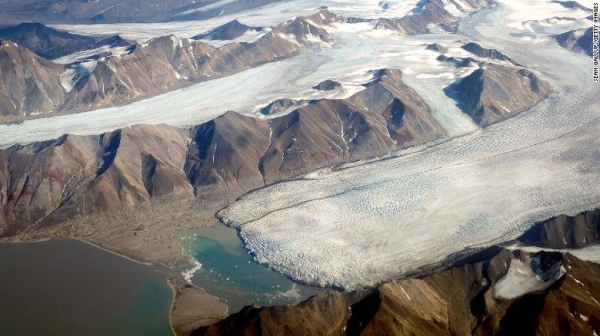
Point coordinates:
[(360, 224)]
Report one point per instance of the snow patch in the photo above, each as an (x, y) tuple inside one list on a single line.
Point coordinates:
[(77, 72), (82, 55), (523, 278)]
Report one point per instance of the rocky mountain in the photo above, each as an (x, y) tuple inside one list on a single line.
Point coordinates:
[(304, 29), (565, 232), (228, 31), (327, 85), (437, 47), (480, 51), (576, 40), (282, 106), (106, 78), (50, 43), (496, 92), (157, 66), (497, 291), (114, 11), (76, 174), (432, 14), (45, 184), (29, 83), (458, 62)]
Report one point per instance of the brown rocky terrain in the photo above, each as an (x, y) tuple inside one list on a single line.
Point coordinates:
[(169, 62), (480, 51), (228, 31), (160, 65), (458, 62), (327, 85), (465, 299), (50, 43), (431, 14), (29, 82), (577, 40), (565, 231), (192, 307), (495, 92), (282, 106)]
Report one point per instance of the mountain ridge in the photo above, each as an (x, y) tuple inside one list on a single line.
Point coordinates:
[(154, 67)]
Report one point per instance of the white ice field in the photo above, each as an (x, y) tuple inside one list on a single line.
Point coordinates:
[(365, 222)]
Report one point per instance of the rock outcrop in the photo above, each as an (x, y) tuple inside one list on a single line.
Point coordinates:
[(281, 106), (432, 14), (577, 40), (437, 47), (496, 92), (50, 43), (457, 61), (55, 180), (327, 85), (565, 231), (30, 83), (228, 31), (480, 51)]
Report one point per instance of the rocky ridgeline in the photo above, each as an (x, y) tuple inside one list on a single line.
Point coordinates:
[(157, 66)]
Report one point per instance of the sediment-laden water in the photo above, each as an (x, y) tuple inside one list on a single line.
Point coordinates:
[(67, 287)]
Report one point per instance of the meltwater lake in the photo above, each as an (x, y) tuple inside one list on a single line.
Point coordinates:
[(67, 287), (229, 272)]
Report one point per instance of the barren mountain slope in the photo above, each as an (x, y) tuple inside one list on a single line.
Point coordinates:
[(29, 83), (160, 65), (496, 92), (51, 43)]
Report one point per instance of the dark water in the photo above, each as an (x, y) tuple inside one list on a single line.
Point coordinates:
[(229, 272), (66, 287)]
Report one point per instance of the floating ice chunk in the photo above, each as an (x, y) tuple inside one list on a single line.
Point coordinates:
[(188, 274)]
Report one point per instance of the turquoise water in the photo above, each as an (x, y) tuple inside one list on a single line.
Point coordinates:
[(229, 272), (66, 287)]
